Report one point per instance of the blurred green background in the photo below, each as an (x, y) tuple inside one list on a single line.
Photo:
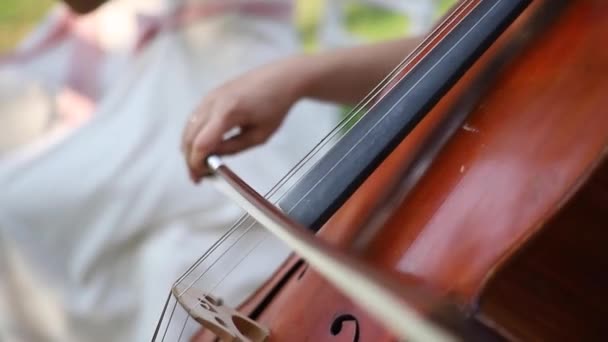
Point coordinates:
[(17, 17), (367, 22)]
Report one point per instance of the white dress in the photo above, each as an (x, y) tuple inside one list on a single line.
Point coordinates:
[(96, 226)]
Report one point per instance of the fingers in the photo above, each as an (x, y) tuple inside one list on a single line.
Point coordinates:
[(190, 132), (208, 138), (255, 105), (250, 137), (197, 120)]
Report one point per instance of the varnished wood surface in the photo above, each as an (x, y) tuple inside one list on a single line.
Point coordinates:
[(526, 149), (533, 140), (555, 288)]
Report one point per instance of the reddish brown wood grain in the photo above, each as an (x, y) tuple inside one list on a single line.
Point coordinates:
[(554, 289), (490, 218), (531, 143)]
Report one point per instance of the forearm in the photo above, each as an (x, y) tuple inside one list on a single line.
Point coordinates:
[(347, 75), (84, 6), (258, 101)]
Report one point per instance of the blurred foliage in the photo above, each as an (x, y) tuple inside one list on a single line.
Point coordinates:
[(308, 14), (374, 23), (17, 17), (444, 6), (364, 21)]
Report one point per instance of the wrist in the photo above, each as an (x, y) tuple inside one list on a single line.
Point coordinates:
[(302, 76)]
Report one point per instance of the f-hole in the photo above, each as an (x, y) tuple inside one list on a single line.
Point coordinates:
[(336, 325)]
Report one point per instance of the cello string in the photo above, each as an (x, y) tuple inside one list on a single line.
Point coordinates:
[(350, 116), (379, 88), (425, 75), (394, 73), (169, 321), (388, 80), (181, 333), (382, 86), (254, 247), (388, 83), (358, 142)]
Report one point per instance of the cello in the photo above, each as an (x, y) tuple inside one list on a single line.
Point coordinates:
[(474, 192)]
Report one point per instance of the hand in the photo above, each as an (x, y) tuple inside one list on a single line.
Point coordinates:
[(253, 105), (257, 102)]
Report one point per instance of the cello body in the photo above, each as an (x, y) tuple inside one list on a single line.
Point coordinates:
[(510, 215)]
